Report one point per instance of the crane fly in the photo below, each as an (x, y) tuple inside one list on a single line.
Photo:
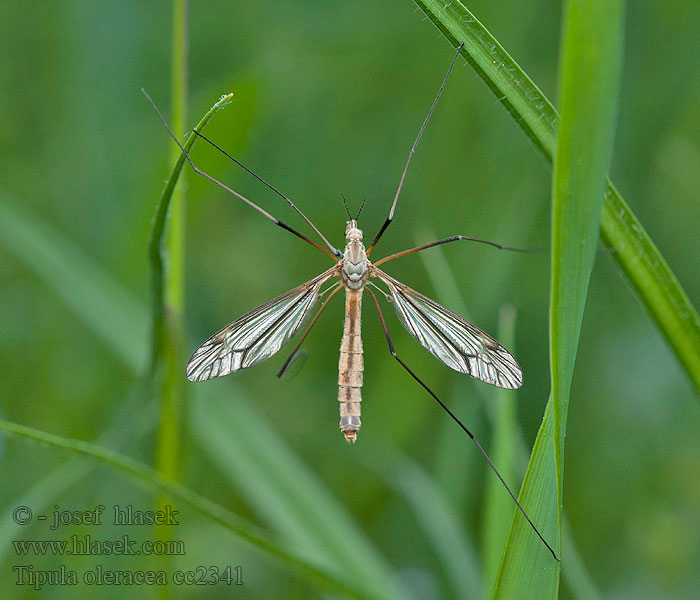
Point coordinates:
[(262, 332), (257, 335)]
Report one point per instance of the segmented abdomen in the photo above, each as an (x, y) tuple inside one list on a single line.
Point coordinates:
[(350, 366)]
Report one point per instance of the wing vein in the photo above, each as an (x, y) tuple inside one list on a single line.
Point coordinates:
[(257, 335), (451, 339)]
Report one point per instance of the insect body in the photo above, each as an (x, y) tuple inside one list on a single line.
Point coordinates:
[(354, 271), (259, 334)]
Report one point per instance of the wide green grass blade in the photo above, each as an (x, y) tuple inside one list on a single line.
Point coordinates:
[(527, 569), (590, 63), (590, 60), (644, 266)]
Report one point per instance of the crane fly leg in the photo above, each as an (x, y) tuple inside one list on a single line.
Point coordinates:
[(456, 420)]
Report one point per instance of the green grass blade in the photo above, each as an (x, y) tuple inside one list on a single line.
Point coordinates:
[(175, 237), (169, 310), (640, 260), (527, 568), (167, 287), (590, 60), (323, 574), (155, 249), (137, 415)]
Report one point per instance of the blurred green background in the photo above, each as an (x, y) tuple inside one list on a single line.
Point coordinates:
[(328, 99)]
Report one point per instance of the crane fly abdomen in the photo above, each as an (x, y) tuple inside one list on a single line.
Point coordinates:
[(351, 367)]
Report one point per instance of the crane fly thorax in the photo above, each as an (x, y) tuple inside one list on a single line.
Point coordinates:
[(355, 264)]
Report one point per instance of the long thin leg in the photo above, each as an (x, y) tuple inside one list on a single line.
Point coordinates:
[(456, 420), (274, 189), (306, 331), (332, 253), (412, 152), (456, 238)]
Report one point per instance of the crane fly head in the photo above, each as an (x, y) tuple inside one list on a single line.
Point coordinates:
[(352, 233)]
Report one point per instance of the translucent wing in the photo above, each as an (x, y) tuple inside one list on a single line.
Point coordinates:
[(257, 335), (451, 339)]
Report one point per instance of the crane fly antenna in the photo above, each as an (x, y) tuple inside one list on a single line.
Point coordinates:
[(228, 189), (359, 212), (456, 420), (345, 203), (333, 249), (413, 150)]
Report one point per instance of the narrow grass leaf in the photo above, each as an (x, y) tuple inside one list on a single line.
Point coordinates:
[(590, 63), (307, 566), (168, 335), (155, 248)]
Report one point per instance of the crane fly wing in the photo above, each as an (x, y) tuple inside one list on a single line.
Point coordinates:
[(257, 335), (452, 339)]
